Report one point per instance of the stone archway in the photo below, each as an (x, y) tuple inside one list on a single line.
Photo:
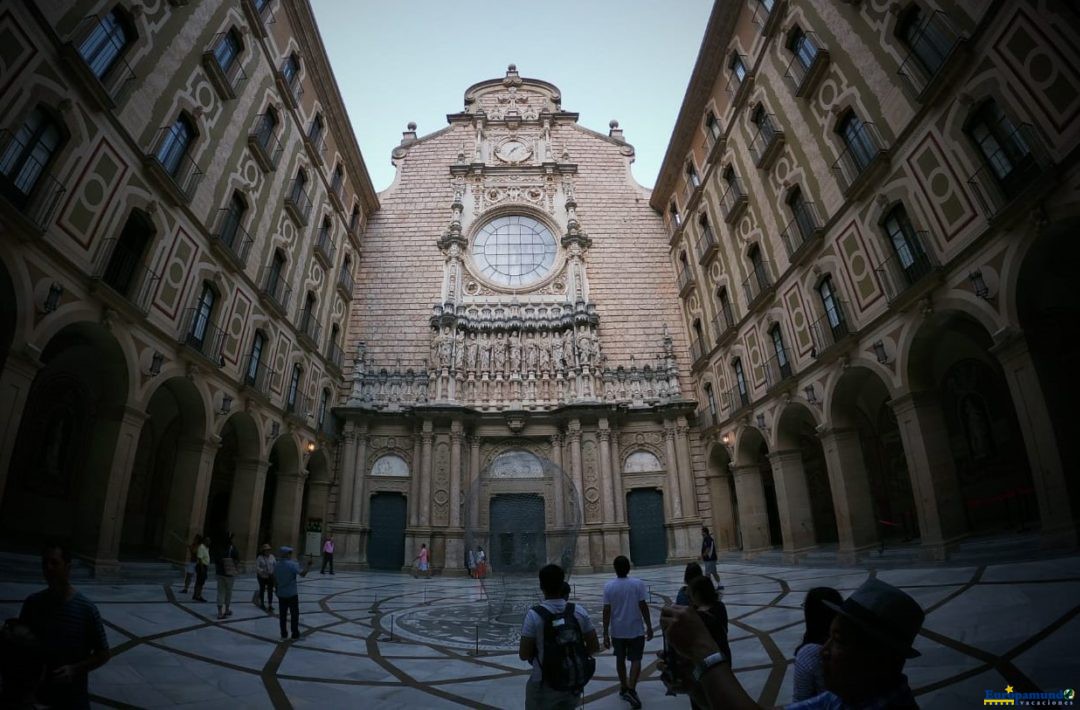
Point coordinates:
[(69, 461), (868, 472), (759, 518), (282, 501), (725, 511), (316, 496), (799, 462), (9, 313), (235, 484), (163, 509), (1041, 369)]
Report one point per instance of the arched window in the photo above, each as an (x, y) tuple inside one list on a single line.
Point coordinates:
[(757, 264), (673, 212), (316, 129), (107, 42), (227, 49), (802, 46), (354, 219), (345, 278), (782, 362), (699, 334), (338, 180), (300, 184), (738, 68), (1001, 145), (232, 219), (307, 317), (290, 70), (28, 154), (710, 399), (294, 388), (905, 243), (927, 35), (125, 265), (267, 127), (805, 220), (726, 314), (202, 320), (692, 178), (740, 382), (275, 276), (258, 343), (324, 405), (834, 312), (860, 144), (175, 142), (712, 127)]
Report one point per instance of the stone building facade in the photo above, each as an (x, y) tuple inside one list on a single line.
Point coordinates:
[(181, 204), (515, 308), (871, 209)]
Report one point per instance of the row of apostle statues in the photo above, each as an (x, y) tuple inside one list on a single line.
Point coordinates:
[(515, 352)]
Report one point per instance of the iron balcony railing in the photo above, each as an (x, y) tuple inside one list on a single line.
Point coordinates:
[(123, 271), (265, 143), (778, 368), (909, 264), (310, 329), (337, 193), (257, 376), (757, 283), (298, 203), (807, 64), (697, 349), (733, 201), (317, 145), (804, 227), (336, 356), (345, 282), (707, 418), (863, 150), (831, 328), (1010, 171), (734, 399), (170, 156), (100, 54), (26, 184), (324, 246), (706, 243), (291, 87), (202, 335), (231, 238), (275, 290), (260, 14), (686, 279), (723, 322), (766, 143), (299, 405), (738, 84), (226, 78), (930, 48), (767, 14)]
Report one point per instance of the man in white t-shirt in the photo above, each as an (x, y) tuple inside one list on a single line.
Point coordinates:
[(531, 648), (626, 616)]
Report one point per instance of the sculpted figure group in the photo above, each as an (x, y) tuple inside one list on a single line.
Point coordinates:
[(527, 352)]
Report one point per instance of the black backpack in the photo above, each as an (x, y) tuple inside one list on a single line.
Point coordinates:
[(567, 665)]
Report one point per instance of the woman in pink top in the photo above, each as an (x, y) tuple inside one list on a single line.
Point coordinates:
[(328, 553), (422, 561)]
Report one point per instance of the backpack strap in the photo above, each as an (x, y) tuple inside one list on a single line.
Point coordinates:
[(543, 613)]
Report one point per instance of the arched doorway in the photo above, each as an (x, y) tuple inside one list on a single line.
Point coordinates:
[(316, 499), (798, 447), (759, 517), (725, 514), (159, 518), (282, 503), (230, 504), (518, 532), (60, 472), (9, 314), (386, 544)]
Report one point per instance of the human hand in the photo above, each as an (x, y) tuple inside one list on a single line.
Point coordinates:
[(687, 633), (648, 632), (64, 674), (607, 640)]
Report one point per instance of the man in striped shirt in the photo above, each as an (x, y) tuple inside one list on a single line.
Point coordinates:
[(69, 627)]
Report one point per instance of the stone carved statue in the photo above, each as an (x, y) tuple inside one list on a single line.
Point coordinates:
[(459, 351), (569, 356), (485, 354), (545, 353), (532, 357), (446, 347), (558, 362), (515, 353), (585, 349), (499, 355), (470, 352), (433, 356)]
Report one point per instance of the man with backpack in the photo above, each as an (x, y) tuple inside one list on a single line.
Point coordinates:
[(559, 640)]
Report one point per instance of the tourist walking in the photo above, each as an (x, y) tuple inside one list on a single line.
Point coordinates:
[(226, 566), (286, 570), (692, 572), (470, 562), (189, 564), (708, 556), (627, 625), (422, 561), (678, 673), (481, 563), (328, 553), (809, 671), (202, 567), (264, 573), (559, 640), (69, 629)]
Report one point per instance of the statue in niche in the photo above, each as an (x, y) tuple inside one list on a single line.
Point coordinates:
[(485, 354), (459, 351), (569, 356), (515, 353), (545, 353), (446, 347), (585, 349), (499, 355), (470, 353), (433, 356), (557, 352), (532, 357)]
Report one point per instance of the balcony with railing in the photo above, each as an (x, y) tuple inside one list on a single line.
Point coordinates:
[(297, 203), (170, 163), (767, 141), (256, 377), (707, 246), (808, 64), (292, 89), (733, 201), (96, 58), (309, 330), (932, 47), (907, 268), (32, 191), (724, 324), (202, 337), (299, 408), (737, 86), (802, 231), (767, 14), (758, 284), (1021, 166), (324, 247), (337, 194), (230, 240), (686, 281), (734, 399), (336, 356), (707, 419), (778, 368), (863, 158), (260, 15), (831, 330), (122, 278), (265, 144), (275, 293), (345, 283), (697, 351), (228, 78), (315, 142)]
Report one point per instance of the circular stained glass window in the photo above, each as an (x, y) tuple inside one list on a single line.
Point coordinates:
[(514, 250)]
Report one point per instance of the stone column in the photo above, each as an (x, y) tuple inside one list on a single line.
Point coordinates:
[(933, 472), (722, 518), (617, 482), (426, 437), (414, 481), (474, 501), (245, 505), (15, 382), (753, 515), (582, 557), (559, 502), (850, 485), (348, 474), (607, 497), (793, 502), (110, 498), (686, 470), (675, 507), (1044, 458), (454, 562), (288, 500), (189, 491), (360, 505)]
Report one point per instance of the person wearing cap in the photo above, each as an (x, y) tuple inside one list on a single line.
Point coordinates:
[(286, 570), (870, 640), (264, 573)]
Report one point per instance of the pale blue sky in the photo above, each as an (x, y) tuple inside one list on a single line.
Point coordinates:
[(397, 62)]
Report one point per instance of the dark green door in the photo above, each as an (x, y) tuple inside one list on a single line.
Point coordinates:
[(648, 538), (518, 541), (386, 544)]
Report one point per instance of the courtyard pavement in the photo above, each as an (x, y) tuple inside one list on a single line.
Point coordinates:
[(382, 640)]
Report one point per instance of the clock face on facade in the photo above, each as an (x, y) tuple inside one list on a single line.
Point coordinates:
[(513, 151), (514, 251)]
